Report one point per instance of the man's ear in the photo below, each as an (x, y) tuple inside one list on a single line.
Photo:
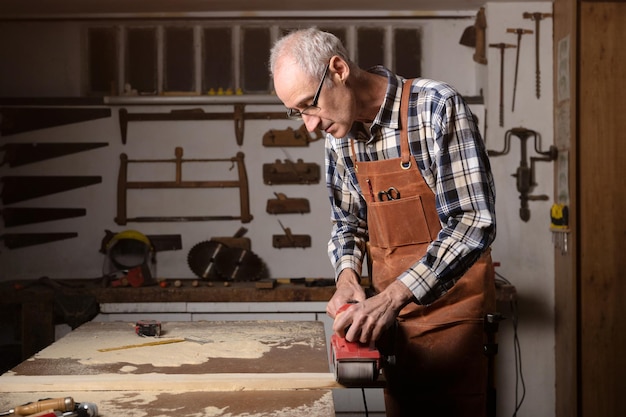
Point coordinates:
[(339, 68)]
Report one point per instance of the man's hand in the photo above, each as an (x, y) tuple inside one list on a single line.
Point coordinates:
[(367, 320), (349, 290)]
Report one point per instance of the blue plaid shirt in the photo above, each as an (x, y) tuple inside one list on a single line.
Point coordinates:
[(451, 156)]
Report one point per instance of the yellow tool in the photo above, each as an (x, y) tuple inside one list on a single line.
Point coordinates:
[(159, 342)]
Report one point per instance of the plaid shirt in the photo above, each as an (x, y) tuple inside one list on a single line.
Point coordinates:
[(451, 156)]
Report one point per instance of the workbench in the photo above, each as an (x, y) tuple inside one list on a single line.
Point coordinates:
[(35, 303), (207, 368)]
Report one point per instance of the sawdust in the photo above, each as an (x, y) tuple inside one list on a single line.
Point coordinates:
[(203, 342)]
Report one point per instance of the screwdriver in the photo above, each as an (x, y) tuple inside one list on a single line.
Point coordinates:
[(61, 404)]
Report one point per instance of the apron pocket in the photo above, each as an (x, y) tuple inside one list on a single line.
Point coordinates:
[(398, 222)]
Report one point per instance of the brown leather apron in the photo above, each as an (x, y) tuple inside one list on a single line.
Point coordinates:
[(440, 368)]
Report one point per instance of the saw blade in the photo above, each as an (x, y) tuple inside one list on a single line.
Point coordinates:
[(201, 259), (238, 264)]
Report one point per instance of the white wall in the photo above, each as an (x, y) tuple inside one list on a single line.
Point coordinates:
[(524, 249), (41, 59), (52, 68)]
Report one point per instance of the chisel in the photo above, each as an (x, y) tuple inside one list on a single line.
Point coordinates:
[(60, 404)]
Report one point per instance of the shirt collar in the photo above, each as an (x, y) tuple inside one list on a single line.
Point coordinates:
[(389, 114)]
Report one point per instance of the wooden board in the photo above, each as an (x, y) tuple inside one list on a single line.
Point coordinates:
[(311, 403), (214, 368)]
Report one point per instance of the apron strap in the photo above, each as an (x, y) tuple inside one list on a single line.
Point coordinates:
[(404, 124)]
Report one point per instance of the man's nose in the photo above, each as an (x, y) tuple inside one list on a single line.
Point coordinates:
[(311, 122)]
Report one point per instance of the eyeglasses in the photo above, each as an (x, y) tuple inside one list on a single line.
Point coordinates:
[(312, 109)]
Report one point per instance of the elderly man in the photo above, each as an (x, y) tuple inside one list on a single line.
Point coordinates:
[(409, 184)]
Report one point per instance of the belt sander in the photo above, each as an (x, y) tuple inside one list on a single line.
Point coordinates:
[(354, 364)]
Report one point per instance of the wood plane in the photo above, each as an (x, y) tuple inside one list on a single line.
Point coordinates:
[(283, 205), (289, 240), (291, 137), (290, 172)]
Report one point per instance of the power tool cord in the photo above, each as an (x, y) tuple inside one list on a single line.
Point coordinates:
[(365, 402), (517, 349)]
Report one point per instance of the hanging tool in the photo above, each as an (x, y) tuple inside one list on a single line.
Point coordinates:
[(20, 240), (15, 120), (201, 259), (20, 188), (60, 404), (282, 204), (235, 241), (354, 364), (238, 264), (290, 137), (501, 46), (537, 17), (519, 32), (226, 259), (159, 242), (525, 173), (290, 172), (123, 186), (17, 154), (131, 253), (238, 115), (18, 216), (480, 55), (289, 240)]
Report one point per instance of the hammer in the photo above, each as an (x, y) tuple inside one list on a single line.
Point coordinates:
[(519, 32), (502, 47)]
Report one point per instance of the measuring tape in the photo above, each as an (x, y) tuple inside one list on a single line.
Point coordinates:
[(148, 328)]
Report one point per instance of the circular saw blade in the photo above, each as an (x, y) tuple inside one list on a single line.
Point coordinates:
[(201, 259), (238, 264)]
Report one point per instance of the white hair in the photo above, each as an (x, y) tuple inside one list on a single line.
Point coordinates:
[(310, 48)]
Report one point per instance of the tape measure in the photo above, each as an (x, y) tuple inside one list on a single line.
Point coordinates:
[(150, 328), (559, 217)]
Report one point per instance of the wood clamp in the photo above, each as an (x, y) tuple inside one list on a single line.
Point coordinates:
[(238, 115), (291, 173), (123, 185), (289, 240)]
